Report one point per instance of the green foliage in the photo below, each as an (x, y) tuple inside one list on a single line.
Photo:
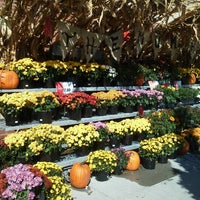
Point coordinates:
[(187, 93), (162, 122), (187, 116), (170, 94)]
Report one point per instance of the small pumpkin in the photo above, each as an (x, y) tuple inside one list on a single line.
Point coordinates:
[(185, 147), (140, 80), (192, 78), (80, 175), (133, 161), (8, 79)]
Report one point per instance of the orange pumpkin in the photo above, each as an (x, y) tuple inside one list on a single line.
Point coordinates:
[(80, 175), (134, 160), (185, 147), (139, 80), (8, 79), (192, 78)]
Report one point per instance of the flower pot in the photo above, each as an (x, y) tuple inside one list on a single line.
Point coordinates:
[(127, 109), (25, 84), (127, 139), (82, 151), (75, 114), (49, 157), (148, 164), (101, 111), (12, 120), (162, 159), (140, 137), (174, 155), (102, 176), (49, 83), (187, 101), (114, 143), (118, 171), (99, 145), (57, 113), (113, 109), (26, 115), (44, 117), (171, 105), (87, 112), (44, 157)]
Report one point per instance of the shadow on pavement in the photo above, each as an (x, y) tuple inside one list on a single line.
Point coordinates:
[(147, 177), (190, 176)]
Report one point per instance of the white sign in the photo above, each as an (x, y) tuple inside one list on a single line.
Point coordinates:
[(64, 87)]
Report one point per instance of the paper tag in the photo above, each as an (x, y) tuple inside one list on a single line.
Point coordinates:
[(153, 84), (64, 87)]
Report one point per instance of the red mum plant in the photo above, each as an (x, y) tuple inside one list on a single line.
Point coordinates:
[(77, 100)]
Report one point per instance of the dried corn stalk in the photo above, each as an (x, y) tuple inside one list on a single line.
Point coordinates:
[(24, 33)]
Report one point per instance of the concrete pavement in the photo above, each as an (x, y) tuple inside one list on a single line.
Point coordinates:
[(179, 179)]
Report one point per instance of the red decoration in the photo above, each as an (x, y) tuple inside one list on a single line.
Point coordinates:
[(48, 28), (126, 35), (140, 111)]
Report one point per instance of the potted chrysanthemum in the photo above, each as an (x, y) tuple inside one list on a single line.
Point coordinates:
[(11, 106), (103, 131), (149, 152), (44, 103), (41, 142), (81, 138), (102, 163), (162, 122), (60, 188), (116, 133), (28, 183), (28, 70), (122, 160), (137, 128), (73, 103)]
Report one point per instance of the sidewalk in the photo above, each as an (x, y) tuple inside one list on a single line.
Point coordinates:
[(179, 179)]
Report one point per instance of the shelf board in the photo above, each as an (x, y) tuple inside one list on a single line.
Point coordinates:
[(91, 89), (85, 89), (64, 121), (69, 160)]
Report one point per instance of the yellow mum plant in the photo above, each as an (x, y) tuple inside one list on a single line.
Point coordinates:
[(43, 101), (102, 160), (116, 130), (34, 141), (27, 69), (136, 126), (60, 189), (12, 104), (54, 68), (150, 149), (110, 98), (81, 135), (165, 145)]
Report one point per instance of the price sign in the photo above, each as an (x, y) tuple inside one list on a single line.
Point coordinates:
[(64, 87)]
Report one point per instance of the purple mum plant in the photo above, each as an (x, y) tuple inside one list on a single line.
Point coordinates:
[(19, 183)]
